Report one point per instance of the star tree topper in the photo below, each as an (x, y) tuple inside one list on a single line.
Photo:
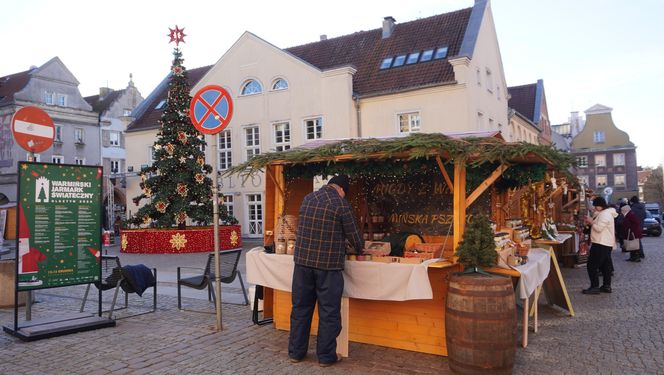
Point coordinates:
[(177, 35)]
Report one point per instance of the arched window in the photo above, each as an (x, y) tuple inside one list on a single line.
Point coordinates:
[(279, 84), (251, 87)]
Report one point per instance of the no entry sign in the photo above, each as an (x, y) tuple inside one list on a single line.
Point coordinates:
[(33, 129), (211, 109)]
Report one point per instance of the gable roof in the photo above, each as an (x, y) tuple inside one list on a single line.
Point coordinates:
[(11, 84), (523, 99), (365, 50), (102, 105), (147, 115)]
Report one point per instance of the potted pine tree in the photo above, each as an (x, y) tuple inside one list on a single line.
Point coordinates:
[(477, 249), (480, 310)]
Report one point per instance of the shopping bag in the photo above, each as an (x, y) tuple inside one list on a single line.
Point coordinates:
[(631, 244)]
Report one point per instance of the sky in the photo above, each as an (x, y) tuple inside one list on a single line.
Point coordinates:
[(586, 52)]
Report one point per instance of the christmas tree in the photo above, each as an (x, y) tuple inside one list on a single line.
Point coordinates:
[(177, 183), (478, 248)]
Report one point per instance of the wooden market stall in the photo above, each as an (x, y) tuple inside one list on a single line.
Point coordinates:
[(439, 181)]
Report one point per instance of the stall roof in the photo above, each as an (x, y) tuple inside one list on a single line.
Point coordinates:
[(472, 147)]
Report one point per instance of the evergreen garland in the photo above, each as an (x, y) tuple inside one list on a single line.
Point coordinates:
[(478, 248), (400, 156)]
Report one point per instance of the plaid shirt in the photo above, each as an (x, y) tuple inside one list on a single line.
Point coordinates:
[(326, 221)]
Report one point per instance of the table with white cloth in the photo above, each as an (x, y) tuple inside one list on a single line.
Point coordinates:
[(565, 245), (389, 304), (533, 274), (530, 278)]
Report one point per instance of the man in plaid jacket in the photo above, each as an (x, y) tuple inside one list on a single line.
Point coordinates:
[(325, 224)]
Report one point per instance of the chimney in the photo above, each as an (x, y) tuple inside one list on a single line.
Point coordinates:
[(323, 36), (388, 26), (104, 91)]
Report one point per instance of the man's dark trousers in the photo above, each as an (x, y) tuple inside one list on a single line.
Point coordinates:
[(310, 285)]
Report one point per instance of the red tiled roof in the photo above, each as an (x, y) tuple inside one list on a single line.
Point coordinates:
[(148, 116), (522, 99), (365, 50), (11, 84)]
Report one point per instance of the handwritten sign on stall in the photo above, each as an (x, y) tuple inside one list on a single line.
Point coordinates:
[(421, 203)]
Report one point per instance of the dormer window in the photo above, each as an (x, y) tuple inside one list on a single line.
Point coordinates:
[(251, 87), (426, 55), (279, 84), (62, 100), (399, 61), (441, 53), (412, 58), (387, 62), (598, 136)]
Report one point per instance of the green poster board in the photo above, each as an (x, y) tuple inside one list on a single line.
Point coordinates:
[(58, 225)]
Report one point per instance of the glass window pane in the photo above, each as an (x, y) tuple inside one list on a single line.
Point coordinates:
[(412, 58), (399, 60), (387, 62), (280, 84), (251, 87), (426, 55), (441, 53)]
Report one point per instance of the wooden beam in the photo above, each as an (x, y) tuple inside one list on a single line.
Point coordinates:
[(485, 184), (575, 200), (444, 172), (459, 199), (271, 176), (279, 197)]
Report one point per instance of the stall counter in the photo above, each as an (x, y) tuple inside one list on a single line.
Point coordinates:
[(409, 321)]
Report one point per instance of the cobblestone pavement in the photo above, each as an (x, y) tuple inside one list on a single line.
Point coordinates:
[(618, 333)]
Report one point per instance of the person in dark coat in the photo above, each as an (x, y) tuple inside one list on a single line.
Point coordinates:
[(325, 224), (631, 226), (639, 210)]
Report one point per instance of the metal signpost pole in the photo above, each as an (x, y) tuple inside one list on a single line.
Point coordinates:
[(215, 225), (210, 111)]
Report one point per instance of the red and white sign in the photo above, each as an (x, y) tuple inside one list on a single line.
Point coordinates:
[(211, 109), (33, 129)]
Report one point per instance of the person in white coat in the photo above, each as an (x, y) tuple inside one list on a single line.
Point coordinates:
[(603, 239)]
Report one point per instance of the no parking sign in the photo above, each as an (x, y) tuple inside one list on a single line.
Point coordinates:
[(211, 109)]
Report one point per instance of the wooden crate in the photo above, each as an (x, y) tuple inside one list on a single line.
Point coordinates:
[(434, 248)]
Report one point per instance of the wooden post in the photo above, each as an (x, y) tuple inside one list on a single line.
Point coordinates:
[(459, 201)]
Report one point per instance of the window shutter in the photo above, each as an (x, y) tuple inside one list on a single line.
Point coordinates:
[(105, 138)]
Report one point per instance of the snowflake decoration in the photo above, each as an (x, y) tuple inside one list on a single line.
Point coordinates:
[(183, 160), (178, 241), (199, 178), (177, 70), (124, 242), (177, 35), (234, 238)]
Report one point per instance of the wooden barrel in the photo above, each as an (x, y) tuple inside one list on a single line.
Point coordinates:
[(480, 324)]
